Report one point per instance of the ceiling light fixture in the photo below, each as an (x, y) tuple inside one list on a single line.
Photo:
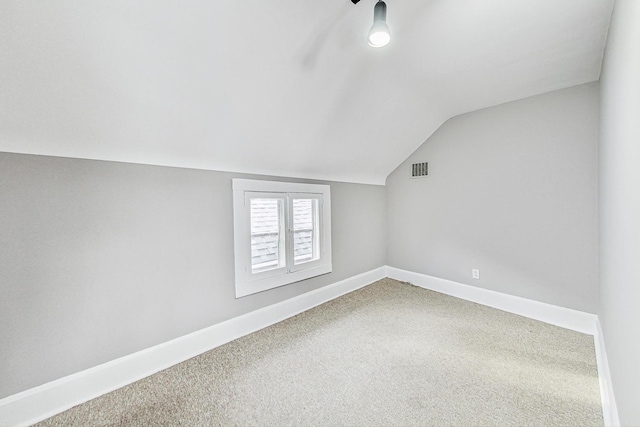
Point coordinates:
[(379, 34)]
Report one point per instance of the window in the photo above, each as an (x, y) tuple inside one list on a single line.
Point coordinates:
[(282, 233)]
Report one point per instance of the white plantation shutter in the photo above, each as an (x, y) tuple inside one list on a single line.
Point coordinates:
[(304, 230), (267, 228)]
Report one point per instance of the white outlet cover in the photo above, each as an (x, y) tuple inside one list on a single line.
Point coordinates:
[(475, 274)]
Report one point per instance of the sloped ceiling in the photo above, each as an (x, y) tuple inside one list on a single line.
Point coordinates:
[(286, 87)]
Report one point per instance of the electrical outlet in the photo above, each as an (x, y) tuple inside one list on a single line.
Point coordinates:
[(475, 273)]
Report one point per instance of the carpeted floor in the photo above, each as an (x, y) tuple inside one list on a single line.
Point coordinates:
[(388, 354)]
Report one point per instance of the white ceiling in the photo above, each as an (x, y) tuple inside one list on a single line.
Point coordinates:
[(286, 87)]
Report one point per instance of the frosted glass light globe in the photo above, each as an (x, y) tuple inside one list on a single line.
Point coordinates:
[(379, 35)]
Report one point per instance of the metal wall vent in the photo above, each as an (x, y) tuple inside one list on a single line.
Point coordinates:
[(419, 170)]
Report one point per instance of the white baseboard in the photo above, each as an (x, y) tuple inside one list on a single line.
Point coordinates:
[(564, 317), (609, 408), (39, 403)]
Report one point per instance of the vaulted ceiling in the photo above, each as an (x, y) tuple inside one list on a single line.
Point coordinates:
[(287, 88)]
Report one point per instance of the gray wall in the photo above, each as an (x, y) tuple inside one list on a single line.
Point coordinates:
[(512, 191), (102, 259), (619, 310)]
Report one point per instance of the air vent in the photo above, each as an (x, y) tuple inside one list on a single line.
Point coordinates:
[(419, 170)]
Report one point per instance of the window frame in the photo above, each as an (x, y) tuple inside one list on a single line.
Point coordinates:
[(247, 282)]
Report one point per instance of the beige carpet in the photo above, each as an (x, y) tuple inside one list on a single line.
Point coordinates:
[(388, 354)]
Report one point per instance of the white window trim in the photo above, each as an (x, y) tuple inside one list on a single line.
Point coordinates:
[(247, 283)]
